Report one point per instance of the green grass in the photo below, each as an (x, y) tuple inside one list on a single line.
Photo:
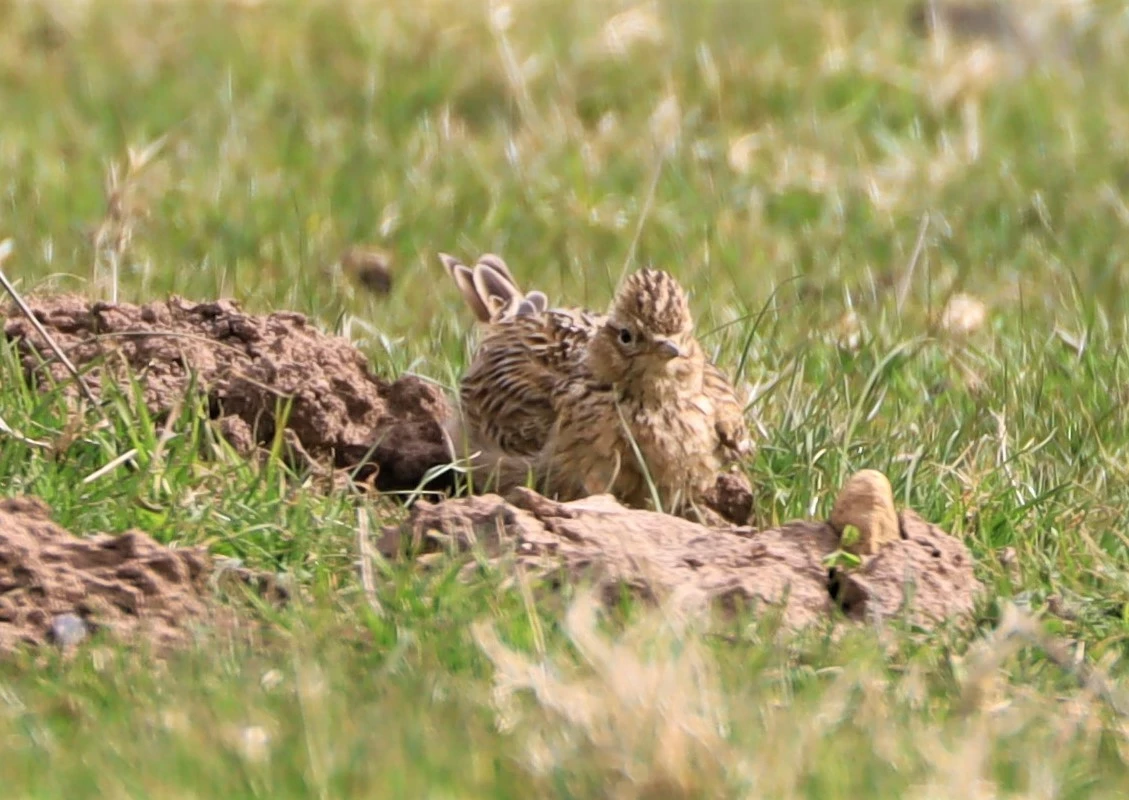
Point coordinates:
[(779, 158)]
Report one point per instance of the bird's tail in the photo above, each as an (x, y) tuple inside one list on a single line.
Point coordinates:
[(490, 289)]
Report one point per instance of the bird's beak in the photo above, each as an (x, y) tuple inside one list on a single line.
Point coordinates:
[(668, 349)]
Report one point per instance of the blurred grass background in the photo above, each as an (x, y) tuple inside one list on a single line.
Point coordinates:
[(783, 160)]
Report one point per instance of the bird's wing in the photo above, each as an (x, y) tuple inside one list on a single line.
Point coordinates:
[(732, 429), (520, 368)]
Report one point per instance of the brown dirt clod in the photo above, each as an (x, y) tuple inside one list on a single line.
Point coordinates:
[(658, 555), (248, 367), (128, 585), (369, 267), (732, 497)]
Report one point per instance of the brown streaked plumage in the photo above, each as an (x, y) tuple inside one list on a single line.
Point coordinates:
[(625, 402)]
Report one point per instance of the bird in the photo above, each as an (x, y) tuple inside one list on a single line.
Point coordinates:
[(624, 402)]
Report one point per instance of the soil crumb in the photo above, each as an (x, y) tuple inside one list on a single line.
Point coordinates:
[(58, 588), (369, 267), (248, 367), (731, 497), (656, 555)]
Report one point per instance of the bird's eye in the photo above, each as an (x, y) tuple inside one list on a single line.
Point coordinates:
[(625, 336)]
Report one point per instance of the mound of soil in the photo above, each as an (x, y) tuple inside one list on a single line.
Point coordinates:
[(248, 367), (657, 555), (57, 588)]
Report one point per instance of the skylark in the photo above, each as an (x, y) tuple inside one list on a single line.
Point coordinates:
[(624, 402)]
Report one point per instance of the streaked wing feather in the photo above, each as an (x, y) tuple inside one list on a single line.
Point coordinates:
[(539, 300), (520, 368), (498, 264), (464, 279), (497, 291), (732, 429)]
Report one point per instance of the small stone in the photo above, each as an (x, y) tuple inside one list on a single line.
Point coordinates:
[(254, 743), (743, 151), (866, 501), (224, 563), (848, 332), (68, 630), (627, 29), (963, 315)]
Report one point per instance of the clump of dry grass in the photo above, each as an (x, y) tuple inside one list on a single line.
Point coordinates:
[(643, 711), (126, 206)]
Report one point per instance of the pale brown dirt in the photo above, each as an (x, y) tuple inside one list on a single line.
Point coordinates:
[(247, 367), (657, 555), (129, 585)]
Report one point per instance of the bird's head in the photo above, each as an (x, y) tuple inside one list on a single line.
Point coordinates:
[(648, 335)]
